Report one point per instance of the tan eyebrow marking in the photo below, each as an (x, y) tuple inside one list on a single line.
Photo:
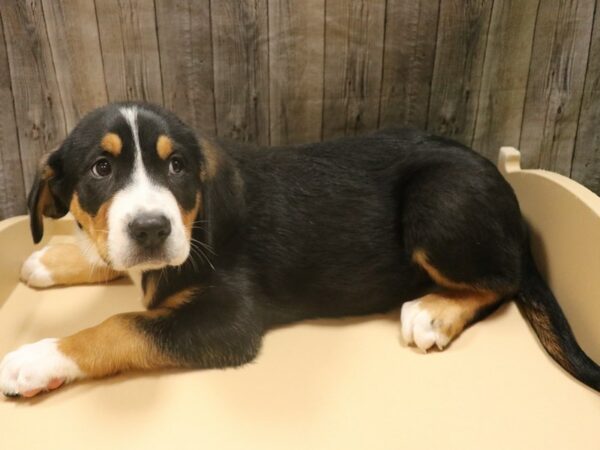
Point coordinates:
[(164, 146), (112, 143)]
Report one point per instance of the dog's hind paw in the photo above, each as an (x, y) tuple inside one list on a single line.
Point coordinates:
[(421, 328)]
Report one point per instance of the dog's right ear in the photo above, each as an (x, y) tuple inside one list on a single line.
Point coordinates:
[(43, 198)]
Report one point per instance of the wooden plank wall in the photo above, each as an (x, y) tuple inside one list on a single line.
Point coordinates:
[(484, 72)]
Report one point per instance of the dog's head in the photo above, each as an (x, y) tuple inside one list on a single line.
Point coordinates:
[(131, 175)]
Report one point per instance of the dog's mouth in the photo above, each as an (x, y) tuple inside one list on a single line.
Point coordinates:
[(149, 259), (153, 261)]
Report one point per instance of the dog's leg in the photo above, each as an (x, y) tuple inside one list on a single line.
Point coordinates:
[(439, 317), (64, 264), (208, 333)]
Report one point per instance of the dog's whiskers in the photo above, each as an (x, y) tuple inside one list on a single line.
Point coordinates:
[(204, 245), (201, 253), (191, 259)]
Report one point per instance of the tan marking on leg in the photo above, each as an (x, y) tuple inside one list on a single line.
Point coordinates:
[(420, 257), (116, 345), (188, 217), (452, 311), (95, 226), (211, 159), (164, 146), (111, 143), (67, 265)]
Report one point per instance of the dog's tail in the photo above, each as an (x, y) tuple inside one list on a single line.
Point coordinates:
[(542, 311)]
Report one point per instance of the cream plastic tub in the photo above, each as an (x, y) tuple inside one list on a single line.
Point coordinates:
[(346, 384)]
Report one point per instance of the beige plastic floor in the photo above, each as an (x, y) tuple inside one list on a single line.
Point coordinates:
[(321, 385)]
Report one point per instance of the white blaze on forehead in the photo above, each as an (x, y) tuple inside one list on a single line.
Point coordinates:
[(142, 195), (130, 115)]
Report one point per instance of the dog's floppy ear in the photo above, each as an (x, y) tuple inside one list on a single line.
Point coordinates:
[(222, 191), (43, 199)]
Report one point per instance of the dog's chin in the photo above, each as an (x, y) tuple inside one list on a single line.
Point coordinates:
[(145, 263)]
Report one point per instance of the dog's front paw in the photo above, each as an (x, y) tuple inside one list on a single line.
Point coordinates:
[(34, 368), (35, 273)]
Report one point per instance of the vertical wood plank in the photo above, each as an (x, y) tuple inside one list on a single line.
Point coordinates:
[(129, 44), (185, 45), (504, 82), (555, 86), (241, 69), (296, 53), (410, 38), (460, 50), (586, 157), (12, 190), (73, 36), (353, 57), (38, 106)]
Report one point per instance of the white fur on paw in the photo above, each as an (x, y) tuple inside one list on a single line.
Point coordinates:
[(418, 327), (34, 272), (36, 367)]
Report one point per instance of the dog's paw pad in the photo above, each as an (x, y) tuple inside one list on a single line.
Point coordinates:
[(34, 272), (420, 328), (36, 368)]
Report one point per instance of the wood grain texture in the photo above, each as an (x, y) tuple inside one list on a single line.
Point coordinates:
[(296, 53), (460, 50), (185, 45), (241, 69), (38, 106), (505, 72), (410, 39), (485, 72), (556, 77), (129, 44), (73, 36), (12, 189), (354, 38), (586, 158)]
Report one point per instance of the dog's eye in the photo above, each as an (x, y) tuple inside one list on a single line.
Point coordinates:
[(175, 165), (101, 168)]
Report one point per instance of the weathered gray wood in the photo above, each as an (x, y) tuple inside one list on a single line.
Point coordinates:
[(504, 82), (353, 59), (185, 45), (460, 50), (410, 37), (556, 77), (12, 189), (586, 158), (485, 72), (38, 106), (129, 43), (241, 69), (73, 36), (296, 50)]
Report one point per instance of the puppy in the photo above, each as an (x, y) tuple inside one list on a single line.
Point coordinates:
[(227, 241)]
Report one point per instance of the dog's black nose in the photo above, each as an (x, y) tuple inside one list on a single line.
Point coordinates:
[(150, 230)]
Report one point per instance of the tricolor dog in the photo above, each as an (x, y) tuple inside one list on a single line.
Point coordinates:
[(227, 241)]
